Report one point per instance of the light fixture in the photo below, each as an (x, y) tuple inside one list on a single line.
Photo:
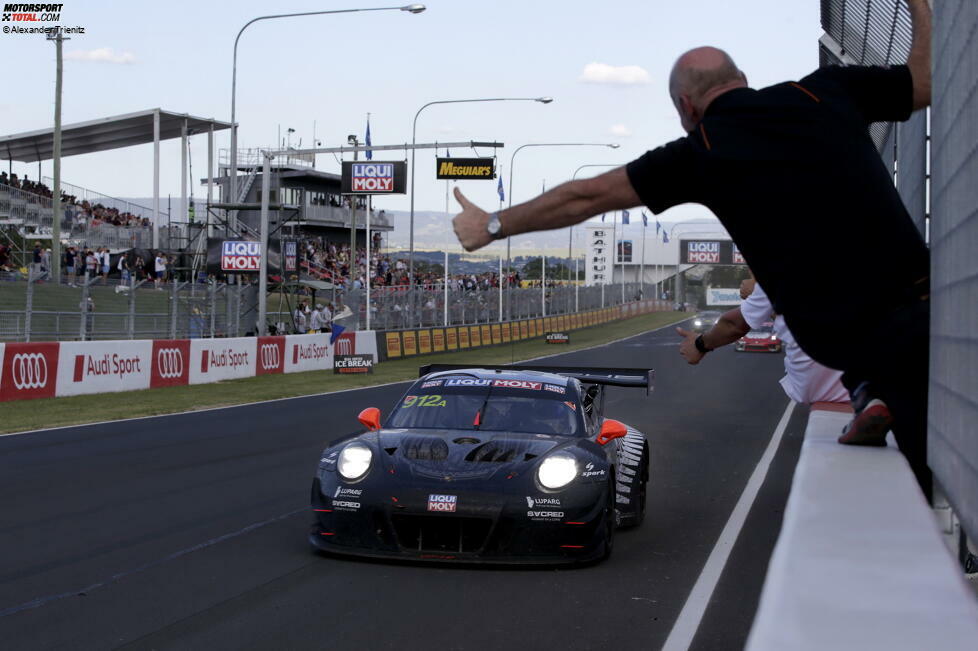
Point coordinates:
[(414, 9)]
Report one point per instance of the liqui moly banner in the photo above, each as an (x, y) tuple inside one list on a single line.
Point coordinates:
[(374, 177), (104, 367), (170, 363), (308, 353), (213, 360), (271, 355), (29, 371)]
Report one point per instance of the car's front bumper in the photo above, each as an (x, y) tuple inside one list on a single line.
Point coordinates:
[(485, 528)]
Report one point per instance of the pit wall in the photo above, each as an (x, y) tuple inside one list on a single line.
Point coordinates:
[(50, 369)]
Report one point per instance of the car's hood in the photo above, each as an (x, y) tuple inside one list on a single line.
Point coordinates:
[(464, 454)]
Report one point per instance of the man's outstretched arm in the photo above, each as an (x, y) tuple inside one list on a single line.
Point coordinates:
[(919, 59), (565, 205)]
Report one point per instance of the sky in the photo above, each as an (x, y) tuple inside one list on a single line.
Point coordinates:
[(604, 63)]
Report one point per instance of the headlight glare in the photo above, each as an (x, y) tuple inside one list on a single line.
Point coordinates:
[(557, 471), (354, 461), (697, 322)]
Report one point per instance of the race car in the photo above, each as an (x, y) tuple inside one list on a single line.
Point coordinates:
[(496, 464), (762, 339), (705, 320)]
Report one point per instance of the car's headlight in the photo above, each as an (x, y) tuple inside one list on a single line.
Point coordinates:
[(354, 461), (697, 323), (774, 337), (557, 470)]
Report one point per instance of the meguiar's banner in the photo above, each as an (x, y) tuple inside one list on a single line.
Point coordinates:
[(466, 168)]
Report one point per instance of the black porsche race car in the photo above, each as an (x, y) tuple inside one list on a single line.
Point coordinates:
[(500, 464)]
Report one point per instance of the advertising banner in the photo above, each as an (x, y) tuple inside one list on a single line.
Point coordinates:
[(353, 364), (558, 338), (29, 371), (475, 338), (307, 353), (374, 177), (463, 337), (212, 360), (466, 168), (271, 355), (244, 256), (486, 333), (393, 344), (438, 340), (451, 339), (709, 252), (104, 366), (505, 333), (170, 363), (598, 248), (410, 343), (424, 342), (723, 296)]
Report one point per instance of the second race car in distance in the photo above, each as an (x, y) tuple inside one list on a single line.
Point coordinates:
[(515, 464), (762, 339), (703, 321)]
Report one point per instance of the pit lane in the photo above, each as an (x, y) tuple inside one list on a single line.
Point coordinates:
[(188, 531)]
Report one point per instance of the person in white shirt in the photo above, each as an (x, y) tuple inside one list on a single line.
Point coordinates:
[(326, 316), (300, 318), (316, 319), (160, 267), (805, 381)]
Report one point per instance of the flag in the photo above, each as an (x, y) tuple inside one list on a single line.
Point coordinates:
[(657, 226), (370, 154), (499, 188), (602, 219), (334, 335), (665, 238), (624, 217), (645, 219), (448, 153)]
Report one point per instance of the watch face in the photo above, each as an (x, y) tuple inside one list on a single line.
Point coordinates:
[(493, 225)]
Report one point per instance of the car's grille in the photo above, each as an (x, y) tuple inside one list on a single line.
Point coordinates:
[(441, 533)]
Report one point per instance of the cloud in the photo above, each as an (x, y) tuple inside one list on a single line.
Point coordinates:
[(620, 130), (101, 55), (602, 73)]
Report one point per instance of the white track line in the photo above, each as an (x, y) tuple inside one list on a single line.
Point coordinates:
[(314, 395), (689, 619)]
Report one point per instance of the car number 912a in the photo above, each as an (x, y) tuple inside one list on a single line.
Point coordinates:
[(424, 401)]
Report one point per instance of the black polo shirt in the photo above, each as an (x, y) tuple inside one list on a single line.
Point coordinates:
[(791, 172)]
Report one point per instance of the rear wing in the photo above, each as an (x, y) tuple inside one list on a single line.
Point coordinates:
[(635, 378)]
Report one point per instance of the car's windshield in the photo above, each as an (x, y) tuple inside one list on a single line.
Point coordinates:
[(468, 403)]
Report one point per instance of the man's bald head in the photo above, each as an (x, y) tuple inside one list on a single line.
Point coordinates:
[(697, 77)]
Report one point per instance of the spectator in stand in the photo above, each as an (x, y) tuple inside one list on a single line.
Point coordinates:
[(123, 267), (326, 316), (36, 256), (106, 262), (316, 319), (91, 264), (71, 255), (160, 268), (299, 316), (140, 268)]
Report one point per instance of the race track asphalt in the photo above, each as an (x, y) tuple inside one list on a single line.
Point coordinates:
[(189, 531)]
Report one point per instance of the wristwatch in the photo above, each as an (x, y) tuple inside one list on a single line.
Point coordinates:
[(495, 227), (700, 346)]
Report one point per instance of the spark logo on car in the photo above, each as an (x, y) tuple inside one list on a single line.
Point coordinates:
[(442, 503)]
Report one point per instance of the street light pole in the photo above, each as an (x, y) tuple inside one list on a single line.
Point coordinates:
[(233, 186), (512, 159), (414, 132)]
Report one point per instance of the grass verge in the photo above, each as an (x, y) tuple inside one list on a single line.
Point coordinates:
[(26, 415)]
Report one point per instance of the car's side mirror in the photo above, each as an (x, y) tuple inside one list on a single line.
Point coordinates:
[(370, 417), (610, 430)]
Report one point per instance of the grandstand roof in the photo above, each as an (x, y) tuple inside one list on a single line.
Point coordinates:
[(102, 134)]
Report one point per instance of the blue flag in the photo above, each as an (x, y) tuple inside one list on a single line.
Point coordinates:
[(602, 219), (624, 217), (665, 238), (645, 219), (657, 226), (370, 154), (448, 153), (337, 331), (499, 188)]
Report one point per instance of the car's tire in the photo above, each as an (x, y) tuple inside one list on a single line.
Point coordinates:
[(632, 478), (609, 523)]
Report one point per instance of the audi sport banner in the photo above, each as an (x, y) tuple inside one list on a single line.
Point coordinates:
[(170, 363), (308, 353), (466, 168), (29, 371), (374, 177), (104, 367), (271, 355), (213, 360), (709, 252)]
